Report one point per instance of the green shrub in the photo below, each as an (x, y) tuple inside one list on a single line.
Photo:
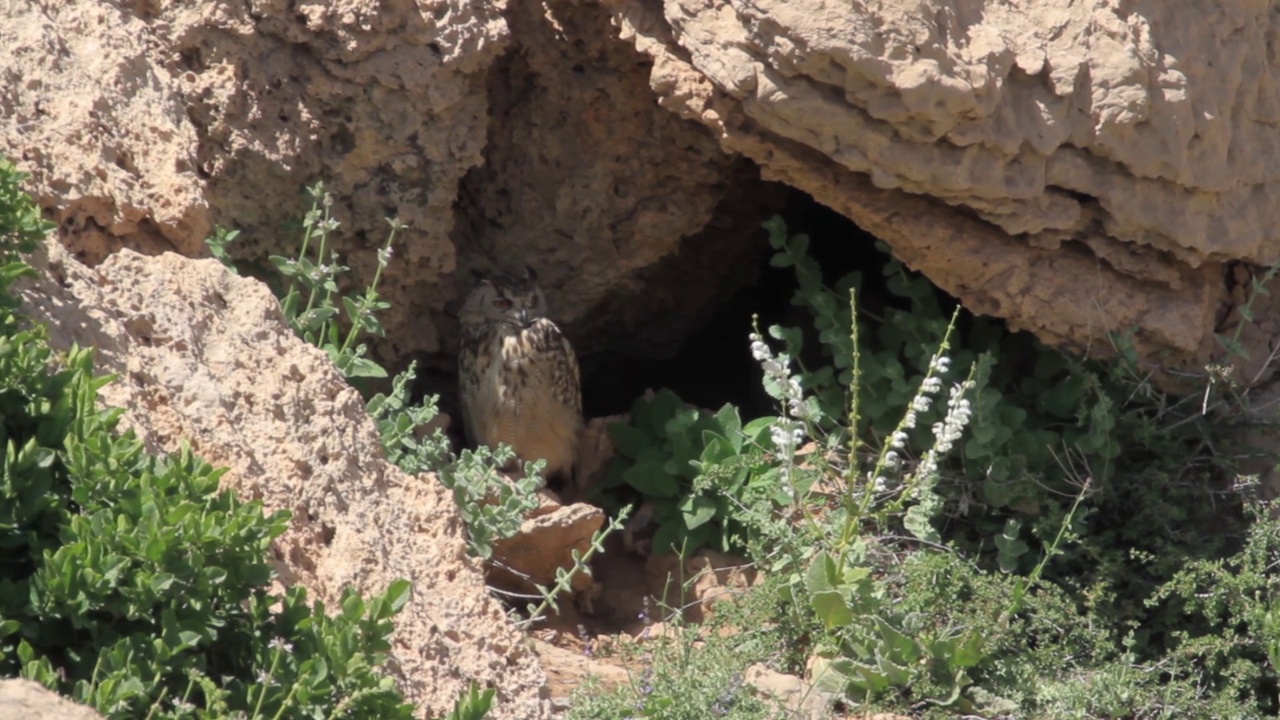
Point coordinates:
[(691, 466), (684, 676), (1050, 537), (21, 225), (1040, 404), (130, 582), (1085, 615)]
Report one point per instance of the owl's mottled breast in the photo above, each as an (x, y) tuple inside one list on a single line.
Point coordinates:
[(521, 386)]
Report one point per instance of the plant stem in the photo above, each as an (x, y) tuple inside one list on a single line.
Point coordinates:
[(370, 295)]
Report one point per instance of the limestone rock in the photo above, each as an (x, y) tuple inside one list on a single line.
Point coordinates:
[(629, 213), (89, 110), (20, 698), (204, 356), (1075, 169), (702, 581), (547, 539), (800, 699), (567, 670), (145, 124)]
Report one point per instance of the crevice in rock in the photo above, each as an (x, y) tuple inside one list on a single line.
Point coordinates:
[(636, 221), (712, 365)]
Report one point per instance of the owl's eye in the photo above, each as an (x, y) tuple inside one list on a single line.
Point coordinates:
[(502, 304)]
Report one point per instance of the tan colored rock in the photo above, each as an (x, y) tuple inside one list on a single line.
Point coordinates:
[(146, 124), (30, 700), (89, 110), (629, 213), (384, 102), (568, 669), (205, 357), (1077, 169), (796, 697), (546, 542), (703, 580)]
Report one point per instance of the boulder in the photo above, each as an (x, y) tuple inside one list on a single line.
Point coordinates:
[(205, 357)]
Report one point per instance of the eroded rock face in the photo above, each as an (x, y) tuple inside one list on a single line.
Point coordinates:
[(88, 109), (1074, 168), (146, 124), (629, 213), (206, 357), (383, 101)]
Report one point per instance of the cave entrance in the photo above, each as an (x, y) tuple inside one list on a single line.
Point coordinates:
[(713, 365)]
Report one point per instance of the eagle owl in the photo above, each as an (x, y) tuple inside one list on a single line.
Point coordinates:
[(518, 375)]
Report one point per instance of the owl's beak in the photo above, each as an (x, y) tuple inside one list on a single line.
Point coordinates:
[(523, 318)]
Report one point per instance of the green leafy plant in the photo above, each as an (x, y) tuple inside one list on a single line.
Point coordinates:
[(310, 295), (1020, 429), (672, 456), (687, 673), (1057, 539), (949, 524), (219, 244), (871, 644), (492, 506), (474, 705), (130, 582), (21, 225)]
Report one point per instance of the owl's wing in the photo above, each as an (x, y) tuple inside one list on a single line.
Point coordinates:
[(469, 386), (566, 378), (573, 376)]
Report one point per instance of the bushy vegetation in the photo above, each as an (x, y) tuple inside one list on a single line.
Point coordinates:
[(953, 521), (958, 521), (130, 582)]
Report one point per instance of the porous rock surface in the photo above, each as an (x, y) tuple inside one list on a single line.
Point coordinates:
[(204, 356), (1077, 168), (629, 213), (28, 700), (144, 124), (500, 135)]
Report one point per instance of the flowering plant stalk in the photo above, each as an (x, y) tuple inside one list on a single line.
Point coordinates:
[(893, 480), (316, 321)]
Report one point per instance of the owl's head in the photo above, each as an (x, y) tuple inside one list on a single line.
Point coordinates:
[(513, 300)]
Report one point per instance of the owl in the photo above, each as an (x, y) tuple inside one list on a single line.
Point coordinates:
[(518, 376)]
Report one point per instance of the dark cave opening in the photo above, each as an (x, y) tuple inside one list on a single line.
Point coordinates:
[(714, 366)]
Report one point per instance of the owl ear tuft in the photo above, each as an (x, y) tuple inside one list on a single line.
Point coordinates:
[(480, 277), (529, 274)]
